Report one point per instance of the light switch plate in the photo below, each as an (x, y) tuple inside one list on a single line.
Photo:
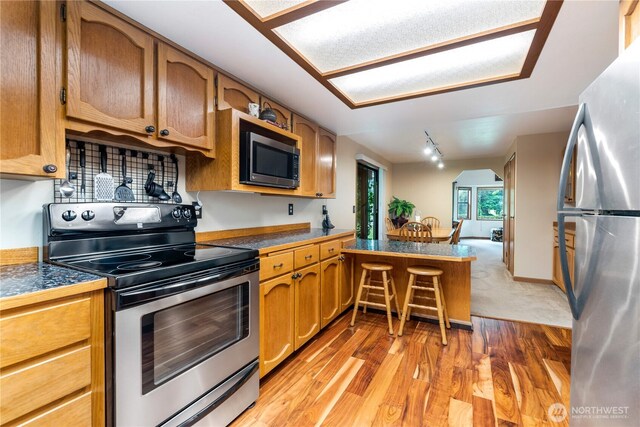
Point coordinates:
[(290, 208)]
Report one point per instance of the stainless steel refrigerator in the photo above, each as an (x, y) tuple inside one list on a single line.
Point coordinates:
[(605, 293)]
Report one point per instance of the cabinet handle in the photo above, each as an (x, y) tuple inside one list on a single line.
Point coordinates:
[(50, 168), (296, 276), (150, 129), (341, 258), (332, 249), (164, 132), (308, 257), (278, 265)]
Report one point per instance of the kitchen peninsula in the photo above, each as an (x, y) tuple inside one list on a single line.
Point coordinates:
[(453, 260)]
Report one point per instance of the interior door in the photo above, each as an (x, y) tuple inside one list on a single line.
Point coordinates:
[(367, 197), (509, 213)]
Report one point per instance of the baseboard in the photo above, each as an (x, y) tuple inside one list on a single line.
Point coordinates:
[(533, 280)]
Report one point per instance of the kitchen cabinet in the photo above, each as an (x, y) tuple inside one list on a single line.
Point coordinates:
[(112, 76), (53, 374), (557, 269), (185, 99), (326, 164), (31, 136), (307, 304), (276, 321), (232, 94), (346, 271), (329, 290)]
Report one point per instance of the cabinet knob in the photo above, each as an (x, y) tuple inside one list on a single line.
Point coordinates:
[(50, 168), (150, 129), (164, 132)]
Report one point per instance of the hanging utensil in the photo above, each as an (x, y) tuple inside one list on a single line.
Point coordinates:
[(177, 198), (154, 189), (124, 193), (67, 188), (83, 164), (103, 182)]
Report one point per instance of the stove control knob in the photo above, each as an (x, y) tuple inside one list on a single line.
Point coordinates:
[(176, 213), (88, 215), (69, 215), (186, 213)]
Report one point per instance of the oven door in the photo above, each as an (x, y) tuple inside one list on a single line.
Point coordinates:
[(171, 351)]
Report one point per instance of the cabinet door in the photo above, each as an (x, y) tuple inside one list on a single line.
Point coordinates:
[(329, 290), (347, 295), (308, 131), (307, 306), (29, 136), (571, 253), (326, 164), (185, 99), (109, 71), (276, 322), (232, 94), (557, 270)]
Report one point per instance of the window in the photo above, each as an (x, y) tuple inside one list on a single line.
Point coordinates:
[(490, 203), (464, 202)]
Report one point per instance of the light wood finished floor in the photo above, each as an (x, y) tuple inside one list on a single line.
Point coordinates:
[(503, 373)]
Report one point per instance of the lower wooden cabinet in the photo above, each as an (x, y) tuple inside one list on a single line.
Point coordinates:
[(329, 290), (276, 321), (347, 290), (307, 306), (557, 269), (52, 362)]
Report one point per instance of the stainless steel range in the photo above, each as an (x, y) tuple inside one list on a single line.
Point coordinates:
[(181, 317)]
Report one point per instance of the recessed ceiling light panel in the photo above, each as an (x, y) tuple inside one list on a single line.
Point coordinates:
[(264, 8), (478, 62), (360, 31)]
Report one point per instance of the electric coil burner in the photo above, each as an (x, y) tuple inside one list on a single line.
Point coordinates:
[(181, 317)]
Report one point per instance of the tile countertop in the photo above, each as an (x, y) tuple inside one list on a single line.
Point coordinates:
[(458, 253), (24, 279), (277, 241)]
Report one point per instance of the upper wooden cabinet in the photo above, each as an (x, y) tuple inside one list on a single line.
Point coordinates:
[(308, 132), (185, 99), (31, 138), (326, 164), (283, 114), (232, 94), (110, 70)]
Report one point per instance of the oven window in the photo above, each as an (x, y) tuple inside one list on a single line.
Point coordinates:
[(271, 161), (179, 337)]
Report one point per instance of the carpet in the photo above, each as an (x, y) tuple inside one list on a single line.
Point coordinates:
[(495, 294)]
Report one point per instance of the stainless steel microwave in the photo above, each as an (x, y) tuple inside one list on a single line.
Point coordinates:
[(266, 162)]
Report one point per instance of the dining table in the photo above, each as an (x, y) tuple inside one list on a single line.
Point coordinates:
[(440, 234)]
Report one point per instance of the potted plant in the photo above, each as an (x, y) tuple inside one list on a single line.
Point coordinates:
[(400, 211)]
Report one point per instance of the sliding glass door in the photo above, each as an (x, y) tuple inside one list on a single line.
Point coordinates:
[(367, 202)]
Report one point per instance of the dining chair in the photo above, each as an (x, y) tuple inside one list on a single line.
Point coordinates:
[(389, 224), (415, 232), (455, 238), (431, 221)]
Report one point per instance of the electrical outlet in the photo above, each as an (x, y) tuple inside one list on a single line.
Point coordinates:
[(290, 208), (354, 208), (198, 207)]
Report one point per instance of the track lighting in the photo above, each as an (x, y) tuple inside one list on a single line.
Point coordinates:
[(433, 151)]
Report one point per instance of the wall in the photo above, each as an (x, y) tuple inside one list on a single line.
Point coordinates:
[(474, 179), (430, 188), (21, 203), (538, 163)]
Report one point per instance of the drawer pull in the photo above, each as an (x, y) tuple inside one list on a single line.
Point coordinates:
[(332, 249), (278, 265), (308, 257)]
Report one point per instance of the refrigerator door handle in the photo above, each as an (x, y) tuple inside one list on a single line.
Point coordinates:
[(564, 264)]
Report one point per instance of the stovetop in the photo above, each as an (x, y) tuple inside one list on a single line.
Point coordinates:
[(128, 268)]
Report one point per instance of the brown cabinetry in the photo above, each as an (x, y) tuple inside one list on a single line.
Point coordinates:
[(317, 159), (232, 94), (307, 305), (557, 269), (326, 164), (347, 291), (52, 360), (276, 321), (31, 137), (329, 290)]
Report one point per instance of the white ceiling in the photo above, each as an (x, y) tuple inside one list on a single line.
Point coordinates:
[(479, 122)]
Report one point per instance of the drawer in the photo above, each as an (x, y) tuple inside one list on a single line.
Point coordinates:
[(76, 412), (57, 326), (37, 385), (306, 256), (329, 249), (275, 265)]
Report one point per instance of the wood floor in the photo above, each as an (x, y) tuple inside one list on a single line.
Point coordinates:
[(503, 373)]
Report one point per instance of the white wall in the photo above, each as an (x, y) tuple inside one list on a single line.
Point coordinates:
[(21, 203), (538, 163), (474, 179)]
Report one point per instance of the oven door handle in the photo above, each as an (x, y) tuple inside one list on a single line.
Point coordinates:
[(149, 294)]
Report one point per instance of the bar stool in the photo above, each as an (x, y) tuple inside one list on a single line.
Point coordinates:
[(368, 268), (416, 272)]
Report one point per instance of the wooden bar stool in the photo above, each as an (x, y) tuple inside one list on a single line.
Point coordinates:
[(368, 268), (416, 272)]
